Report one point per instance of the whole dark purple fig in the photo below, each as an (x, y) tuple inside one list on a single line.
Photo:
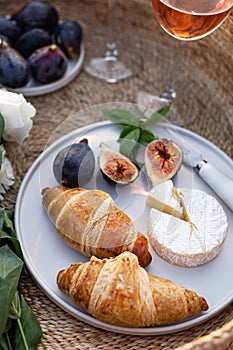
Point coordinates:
[(47, 64), (32, 40), (14, 69), (37, 14), (10, 29), (68, 36), (74, 165)]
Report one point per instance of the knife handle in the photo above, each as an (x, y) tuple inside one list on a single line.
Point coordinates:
[(219, 182)]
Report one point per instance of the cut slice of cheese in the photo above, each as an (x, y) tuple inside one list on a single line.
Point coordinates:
[(192, 237), (164, 197)]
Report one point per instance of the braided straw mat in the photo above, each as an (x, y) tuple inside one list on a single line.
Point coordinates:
[(206, 66)]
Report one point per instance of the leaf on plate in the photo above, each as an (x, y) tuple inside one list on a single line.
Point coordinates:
[(128, 144), (146, 136), (155, 117), (135, 130), (127, 129), (121, 116)]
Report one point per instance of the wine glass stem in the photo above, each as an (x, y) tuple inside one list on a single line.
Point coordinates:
[(111, 46), (169, 92)]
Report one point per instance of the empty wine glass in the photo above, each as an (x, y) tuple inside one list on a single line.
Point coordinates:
[(185, 20), (113, 66)]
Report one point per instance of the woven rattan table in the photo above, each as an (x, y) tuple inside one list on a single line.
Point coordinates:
[(207, 67)]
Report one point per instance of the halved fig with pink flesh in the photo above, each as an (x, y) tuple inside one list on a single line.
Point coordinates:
[(163, 159), (115, 166)]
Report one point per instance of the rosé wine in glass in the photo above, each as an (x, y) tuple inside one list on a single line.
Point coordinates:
[(191, 19), (185, 20)]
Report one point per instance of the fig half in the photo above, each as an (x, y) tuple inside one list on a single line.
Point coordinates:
[(163, 159), (115, 166)]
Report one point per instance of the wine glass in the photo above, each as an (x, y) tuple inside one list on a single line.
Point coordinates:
[(185, 20), (113, 66)]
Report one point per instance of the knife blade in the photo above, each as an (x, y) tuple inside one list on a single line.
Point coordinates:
[(220, 182)]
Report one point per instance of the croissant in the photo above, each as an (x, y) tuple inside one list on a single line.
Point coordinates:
[(90, 222), (120, 292)]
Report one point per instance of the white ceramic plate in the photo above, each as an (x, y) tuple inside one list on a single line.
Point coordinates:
[(35, 89), (46, 253)]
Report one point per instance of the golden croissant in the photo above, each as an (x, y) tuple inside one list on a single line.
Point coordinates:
[(90, 222), (119, 291)]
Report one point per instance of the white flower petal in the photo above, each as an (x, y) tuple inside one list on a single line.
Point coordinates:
[(27, 110), (19, 134), (6, 173), (10, 96), (17, 114)]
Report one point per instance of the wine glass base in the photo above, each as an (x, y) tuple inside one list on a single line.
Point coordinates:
[(111, 69), (176, 115)]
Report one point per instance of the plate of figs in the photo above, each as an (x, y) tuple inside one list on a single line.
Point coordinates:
[(39, 53)]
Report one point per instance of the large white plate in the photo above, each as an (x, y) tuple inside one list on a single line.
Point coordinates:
[(46, 253), (35, 89)]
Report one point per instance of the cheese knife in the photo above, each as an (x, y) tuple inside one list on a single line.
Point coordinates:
[(220, 183)]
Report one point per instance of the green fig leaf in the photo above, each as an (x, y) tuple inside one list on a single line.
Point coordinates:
[(155, 117), (121, 116), (10, 270), (30, 327), (129, 142), (127, 129), (146, 136)]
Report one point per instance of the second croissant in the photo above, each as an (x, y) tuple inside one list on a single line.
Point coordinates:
[(120, 292)]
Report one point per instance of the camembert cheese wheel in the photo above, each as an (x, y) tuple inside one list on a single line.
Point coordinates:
[(190, 229)]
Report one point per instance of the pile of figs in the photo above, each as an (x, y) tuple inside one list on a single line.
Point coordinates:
[(34, 43)]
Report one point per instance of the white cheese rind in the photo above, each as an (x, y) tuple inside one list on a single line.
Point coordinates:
[(193, 243)]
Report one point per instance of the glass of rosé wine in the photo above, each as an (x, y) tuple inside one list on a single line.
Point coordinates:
[(185, 20), (113, 66)]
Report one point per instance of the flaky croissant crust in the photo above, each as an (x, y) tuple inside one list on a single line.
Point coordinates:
[(120, 292), (90, 222)]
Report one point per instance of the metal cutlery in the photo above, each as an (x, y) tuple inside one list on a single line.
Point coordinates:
[(220, 183)]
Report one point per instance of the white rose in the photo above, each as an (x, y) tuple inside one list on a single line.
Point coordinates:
[(17, 114), (6, 173)]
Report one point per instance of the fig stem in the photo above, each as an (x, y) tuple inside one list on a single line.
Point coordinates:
[(3, 42), (53, 47)]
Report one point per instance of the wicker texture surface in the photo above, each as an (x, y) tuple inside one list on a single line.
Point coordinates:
[(207, 71)]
